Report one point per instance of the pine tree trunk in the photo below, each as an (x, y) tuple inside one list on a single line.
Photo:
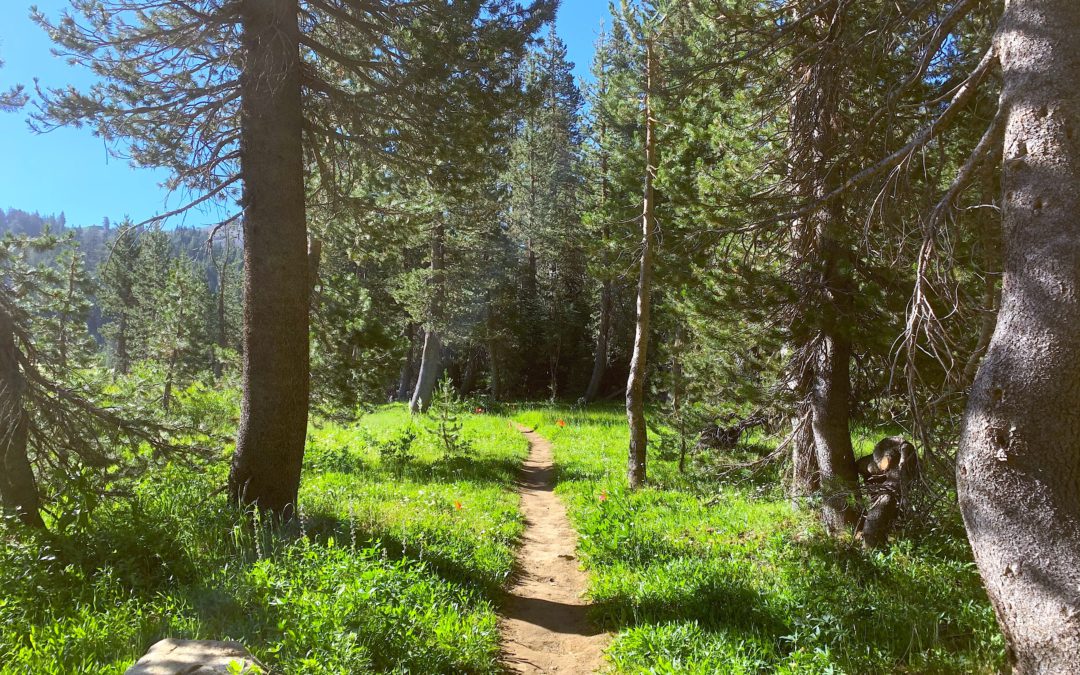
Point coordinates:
[(18, 488), (830, 407), (431, 360), (1019, 458), (827, 283), (601, 355), (273, 425), (635, 384)]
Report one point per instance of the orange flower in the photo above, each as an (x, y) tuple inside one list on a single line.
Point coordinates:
[(561, 423), (458, 506)]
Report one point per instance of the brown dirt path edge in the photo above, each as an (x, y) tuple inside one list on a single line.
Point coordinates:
[(544, 624)]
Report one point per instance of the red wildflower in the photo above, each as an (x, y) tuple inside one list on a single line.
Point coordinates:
[(603, 496), (561, 423), (479, 411), (458, 506)]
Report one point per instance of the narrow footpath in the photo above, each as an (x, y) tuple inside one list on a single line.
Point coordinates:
[(545, 626)]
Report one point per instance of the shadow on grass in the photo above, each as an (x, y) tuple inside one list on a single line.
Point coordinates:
[(715, 605), (476, 470), (861, 607), (322, 527)]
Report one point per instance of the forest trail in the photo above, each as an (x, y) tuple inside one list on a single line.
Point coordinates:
[(545, 626)]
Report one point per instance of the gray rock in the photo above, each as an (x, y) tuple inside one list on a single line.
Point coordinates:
[(195, 657)]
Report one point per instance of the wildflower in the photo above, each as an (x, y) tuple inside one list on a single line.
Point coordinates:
[(603, 496), (479, 411), (561, 423), (458, 506)]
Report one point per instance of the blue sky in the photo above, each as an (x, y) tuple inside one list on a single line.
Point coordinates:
[(70, 170)]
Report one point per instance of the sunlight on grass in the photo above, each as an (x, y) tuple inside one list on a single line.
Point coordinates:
[(396, 568), (696, 576)]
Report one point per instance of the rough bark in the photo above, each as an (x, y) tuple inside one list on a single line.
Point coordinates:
[(431, 359), (827, 285), (830, 402), (270, 443), (18, 488), (635, 384), (1018, 467)]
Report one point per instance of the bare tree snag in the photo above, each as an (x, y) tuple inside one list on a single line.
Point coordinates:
[(1018, 467), (431, 358), (635, 385)]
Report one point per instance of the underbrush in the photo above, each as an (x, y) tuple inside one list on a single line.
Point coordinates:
[(394, 567), (699, 575)]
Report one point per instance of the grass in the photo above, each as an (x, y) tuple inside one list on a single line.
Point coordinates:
[(396, 568), (695, 576), (404, 550)]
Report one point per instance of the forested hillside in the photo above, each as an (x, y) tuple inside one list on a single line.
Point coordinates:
[(783, 295)]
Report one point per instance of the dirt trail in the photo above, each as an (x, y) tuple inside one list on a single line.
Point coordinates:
[(544, 626)]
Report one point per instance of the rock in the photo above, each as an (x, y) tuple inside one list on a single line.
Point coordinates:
[(195, 657)]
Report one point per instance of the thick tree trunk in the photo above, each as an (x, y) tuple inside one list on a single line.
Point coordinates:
[(431, 360), (830, 388), (828, 286), (601, 356), (18, 488), (273, 425), (635, 384), (1019, 459), (430, 366), (830, 403)]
